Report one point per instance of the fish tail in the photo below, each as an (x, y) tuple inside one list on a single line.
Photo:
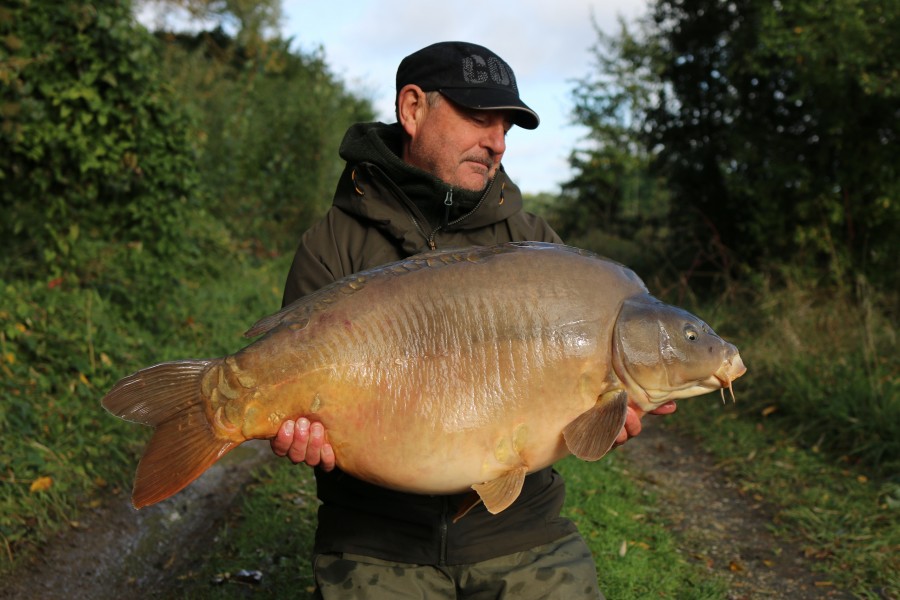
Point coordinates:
[(168, 397)]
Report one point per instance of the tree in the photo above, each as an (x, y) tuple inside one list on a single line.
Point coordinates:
[(613, 185), (269, 124), (775, 126)]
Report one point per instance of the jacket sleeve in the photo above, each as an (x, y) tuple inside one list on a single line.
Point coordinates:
[(317, 262), (335, 247), (537, 229)]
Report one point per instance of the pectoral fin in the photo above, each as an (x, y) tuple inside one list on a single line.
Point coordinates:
[(471, 500), (591, 435), (499, 493)]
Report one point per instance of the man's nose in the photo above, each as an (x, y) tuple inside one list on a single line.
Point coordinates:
[(495, 139)]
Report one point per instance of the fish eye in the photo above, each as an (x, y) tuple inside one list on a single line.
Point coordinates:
[(690, 334)]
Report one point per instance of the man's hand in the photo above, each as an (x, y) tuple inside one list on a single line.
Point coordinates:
[(633, 418), (304, 442)]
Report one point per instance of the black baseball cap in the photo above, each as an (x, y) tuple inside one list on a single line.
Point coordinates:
[(468, 74)]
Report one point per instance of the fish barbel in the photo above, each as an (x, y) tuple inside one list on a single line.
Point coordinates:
[(448, 371)]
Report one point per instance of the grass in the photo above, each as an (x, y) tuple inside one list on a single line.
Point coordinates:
[(825, 366), (637, 556), (270, 532)]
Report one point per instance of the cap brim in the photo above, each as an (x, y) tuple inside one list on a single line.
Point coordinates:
[(491, 99)]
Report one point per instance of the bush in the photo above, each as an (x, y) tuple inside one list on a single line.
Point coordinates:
[(99, 181), (823, 363)]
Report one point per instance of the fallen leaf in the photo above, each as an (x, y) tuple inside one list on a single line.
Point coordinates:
[(735, 567), (641, 545), (41, 484), (769, 410), (623, 548)]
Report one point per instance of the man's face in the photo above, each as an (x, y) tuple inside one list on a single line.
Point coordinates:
[(460, 146)]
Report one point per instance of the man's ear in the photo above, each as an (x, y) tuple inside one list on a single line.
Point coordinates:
[(411, 108)]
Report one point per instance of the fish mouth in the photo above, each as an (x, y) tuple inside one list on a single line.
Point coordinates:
[(730, 370)]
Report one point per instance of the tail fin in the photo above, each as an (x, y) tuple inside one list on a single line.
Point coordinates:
[(167, 397)]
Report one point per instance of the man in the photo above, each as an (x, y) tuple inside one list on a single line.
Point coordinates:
[(432, 180)]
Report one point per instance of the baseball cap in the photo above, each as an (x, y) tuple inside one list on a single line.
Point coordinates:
[(468, 74)]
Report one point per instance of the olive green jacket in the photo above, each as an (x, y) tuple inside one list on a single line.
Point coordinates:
[(385, 210), (373, 221)]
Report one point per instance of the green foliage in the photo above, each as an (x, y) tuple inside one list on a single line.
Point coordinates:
[(774, 126), (269, 125), (61, 349), (57, 351), (111, 258), (613, 186), (100, 186), (824, 365)]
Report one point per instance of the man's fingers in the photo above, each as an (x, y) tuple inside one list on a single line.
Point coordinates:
[(297, 451), (327, 463), (283, 439), (631, 428), (666, 409), (313, 446), (304, 442)]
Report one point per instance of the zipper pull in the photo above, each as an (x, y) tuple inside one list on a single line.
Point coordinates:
[(448, 203)]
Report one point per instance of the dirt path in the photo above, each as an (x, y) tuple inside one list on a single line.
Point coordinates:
[(719, 527), (116, 552)]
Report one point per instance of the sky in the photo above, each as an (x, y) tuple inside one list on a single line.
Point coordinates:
[(546, 42)]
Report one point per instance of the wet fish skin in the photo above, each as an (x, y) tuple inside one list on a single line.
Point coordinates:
[(444, 372)]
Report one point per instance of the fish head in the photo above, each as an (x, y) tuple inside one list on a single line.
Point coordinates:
[(662, 352)]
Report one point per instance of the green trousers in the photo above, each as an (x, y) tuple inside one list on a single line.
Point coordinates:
[(562, 569)]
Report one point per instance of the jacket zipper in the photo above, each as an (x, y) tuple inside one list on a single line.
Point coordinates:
[(445, 510), (448, 203)]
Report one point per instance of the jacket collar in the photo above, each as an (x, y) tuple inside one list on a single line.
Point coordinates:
[(409, 203)]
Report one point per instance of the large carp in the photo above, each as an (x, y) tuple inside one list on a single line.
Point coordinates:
[(443, 372)]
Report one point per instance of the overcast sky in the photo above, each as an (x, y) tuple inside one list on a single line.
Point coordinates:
[(546, 42)]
